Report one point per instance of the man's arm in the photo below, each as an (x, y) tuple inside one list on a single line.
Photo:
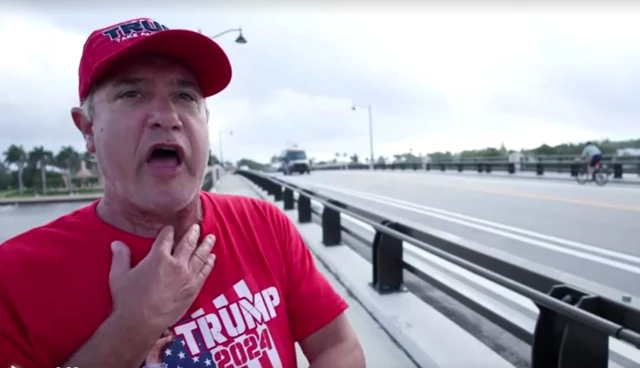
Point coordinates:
[(334, 346), (315, 309), (118, 342), (584, 152)]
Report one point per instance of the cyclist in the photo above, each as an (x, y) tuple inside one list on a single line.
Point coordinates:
[(593, 154)]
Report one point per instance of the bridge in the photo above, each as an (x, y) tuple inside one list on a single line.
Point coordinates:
[(462, 270), (518, 273)]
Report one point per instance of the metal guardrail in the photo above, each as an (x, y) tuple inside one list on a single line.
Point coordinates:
[(212, 177), (618, 167), (573, 325)]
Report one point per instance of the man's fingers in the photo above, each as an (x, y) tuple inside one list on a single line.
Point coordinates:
[(121, 259), (164, 240), (199, 256), (207, 267), (184, 249)]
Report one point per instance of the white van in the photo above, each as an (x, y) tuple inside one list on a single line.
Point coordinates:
[(295, 160)]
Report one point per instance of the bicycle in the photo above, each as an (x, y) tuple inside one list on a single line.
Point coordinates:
[(600, 175)]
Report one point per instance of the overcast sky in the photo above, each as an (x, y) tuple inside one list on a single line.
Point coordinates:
[(437, 78)]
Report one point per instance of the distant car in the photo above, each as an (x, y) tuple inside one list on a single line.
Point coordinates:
[(274, 167), (295, 160)]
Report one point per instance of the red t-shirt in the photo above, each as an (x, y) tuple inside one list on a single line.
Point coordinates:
[(263, 295)]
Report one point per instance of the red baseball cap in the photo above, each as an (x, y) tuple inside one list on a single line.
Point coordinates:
[(106, 47)]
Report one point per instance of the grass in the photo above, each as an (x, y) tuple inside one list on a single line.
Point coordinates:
[(51, 192)]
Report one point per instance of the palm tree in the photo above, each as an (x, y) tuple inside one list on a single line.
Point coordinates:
[(40, 158), (15, 155), (92, 165), (68, 159)]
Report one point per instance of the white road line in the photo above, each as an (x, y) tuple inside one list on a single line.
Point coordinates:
[(569, 243), (483, 225)]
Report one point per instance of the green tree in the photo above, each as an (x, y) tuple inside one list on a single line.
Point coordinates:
[(251, 164), (39, 158), (6, 179), (213, 159), (15, 155), (68, 159)]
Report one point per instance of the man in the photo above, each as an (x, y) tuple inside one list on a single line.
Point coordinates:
[(593, 154), (100, 286)]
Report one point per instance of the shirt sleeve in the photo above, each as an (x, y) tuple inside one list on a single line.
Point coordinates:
[(14, 347), (311, 301)]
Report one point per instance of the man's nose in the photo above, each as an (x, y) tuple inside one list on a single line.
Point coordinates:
[(165, 116)]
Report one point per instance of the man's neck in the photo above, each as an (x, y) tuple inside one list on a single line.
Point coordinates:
[(129, 218)]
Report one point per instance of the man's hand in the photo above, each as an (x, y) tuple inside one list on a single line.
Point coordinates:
[(147, 298), (161, 288)]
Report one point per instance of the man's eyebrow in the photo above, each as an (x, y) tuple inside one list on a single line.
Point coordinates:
[(127, 81), (187, 83), (132, 81)]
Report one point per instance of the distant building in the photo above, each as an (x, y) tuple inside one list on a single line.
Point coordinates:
[(628, 152)]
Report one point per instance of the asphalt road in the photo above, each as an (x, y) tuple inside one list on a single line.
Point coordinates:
[(584, 230)]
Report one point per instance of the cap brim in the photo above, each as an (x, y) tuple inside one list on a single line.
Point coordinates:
[(206, 59)]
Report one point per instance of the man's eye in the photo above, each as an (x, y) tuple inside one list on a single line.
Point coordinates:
[(186, 96), (129, 94)]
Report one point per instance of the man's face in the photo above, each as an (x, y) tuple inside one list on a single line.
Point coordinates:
[(150, 134)]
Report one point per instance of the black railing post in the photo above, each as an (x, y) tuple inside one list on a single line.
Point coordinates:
[(270, 187), (617, 170), (288, 199), (575, 167), (387, 262), (277, 192), (304, 208), (560, 342), (264, 184), (331, 228)]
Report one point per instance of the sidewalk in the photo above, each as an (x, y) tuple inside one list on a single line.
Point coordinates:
[(380, 351), (234, 184)]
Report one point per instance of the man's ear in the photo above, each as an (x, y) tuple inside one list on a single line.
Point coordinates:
[(85, 126)]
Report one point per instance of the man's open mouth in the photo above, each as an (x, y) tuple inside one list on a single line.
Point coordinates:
[(166, 155)]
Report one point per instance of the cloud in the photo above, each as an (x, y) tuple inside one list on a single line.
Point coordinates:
[(437, 78), (38, 80)]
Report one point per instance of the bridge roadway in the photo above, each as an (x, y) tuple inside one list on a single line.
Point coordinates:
[(582, 230)]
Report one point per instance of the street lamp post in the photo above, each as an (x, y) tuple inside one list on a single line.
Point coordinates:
[(368, 107), (220, 143), (240, 39)]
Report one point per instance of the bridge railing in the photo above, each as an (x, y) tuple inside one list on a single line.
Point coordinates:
[(573, 326), (212, 177), (619, 165)]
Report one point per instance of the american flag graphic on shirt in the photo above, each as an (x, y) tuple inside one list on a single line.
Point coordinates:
[(230, 332)]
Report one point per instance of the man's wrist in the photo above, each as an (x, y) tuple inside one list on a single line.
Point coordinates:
[(119, 341)]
